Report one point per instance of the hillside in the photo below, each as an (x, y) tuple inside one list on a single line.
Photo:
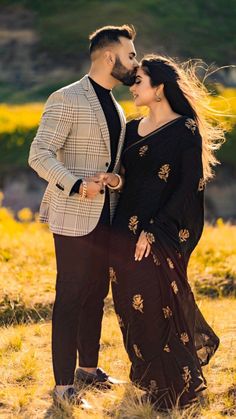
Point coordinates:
[(45, 44)]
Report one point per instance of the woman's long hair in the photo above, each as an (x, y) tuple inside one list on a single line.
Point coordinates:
[(188, 96)]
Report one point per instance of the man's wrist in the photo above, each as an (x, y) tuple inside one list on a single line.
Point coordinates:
[(83, 190)]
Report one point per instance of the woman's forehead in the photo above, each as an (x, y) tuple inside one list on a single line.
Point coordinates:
[(140, 72)]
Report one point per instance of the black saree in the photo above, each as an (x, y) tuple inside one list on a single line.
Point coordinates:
[(165, 335)]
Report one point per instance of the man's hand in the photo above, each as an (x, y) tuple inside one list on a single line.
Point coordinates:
[(142, 247), (97, 183), (94, 186)]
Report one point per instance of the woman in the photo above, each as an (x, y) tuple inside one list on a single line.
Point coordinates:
[(167, 159)]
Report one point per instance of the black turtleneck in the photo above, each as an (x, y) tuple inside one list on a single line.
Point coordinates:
[(114, 128), (112, 118)]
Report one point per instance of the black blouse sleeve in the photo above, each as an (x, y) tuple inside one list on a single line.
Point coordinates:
[(191, 183)]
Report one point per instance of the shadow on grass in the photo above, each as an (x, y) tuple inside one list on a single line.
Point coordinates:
[(15, 311), (214, 287)]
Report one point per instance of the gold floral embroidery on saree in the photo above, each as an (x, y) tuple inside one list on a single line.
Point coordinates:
[(167, 348), (150, 237), (186, 377), (167, 312), (138, 303), (143, 150), (201, 184), (191, 124), (164, 172), (183, 235), (156, 260), (170, 263), (112, 275), (174, 287), (184, 338), (137, 352), (120, 321), (133, 223)]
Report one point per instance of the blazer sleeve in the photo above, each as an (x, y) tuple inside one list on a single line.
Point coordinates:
[(54, 129), (191, 182)]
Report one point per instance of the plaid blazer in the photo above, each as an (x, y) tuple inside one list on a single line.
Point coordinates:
[(73, 142)]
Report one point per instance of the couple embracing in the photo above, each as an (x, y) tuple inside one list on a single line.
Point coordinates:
[(127, 200)]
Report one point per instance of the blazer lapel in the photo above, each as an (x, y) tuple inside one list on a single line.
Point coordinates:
[(96, 106), (123, 127)]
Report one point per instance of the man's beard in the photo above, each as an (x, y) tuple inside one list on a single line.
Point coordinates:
[(121, 73)]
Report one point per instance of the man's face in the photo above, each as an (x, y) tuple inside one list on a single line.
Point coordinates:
[(126, 65)]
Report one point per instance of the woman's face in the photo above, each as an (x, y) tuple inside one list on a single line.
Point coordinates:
[(144, 94)]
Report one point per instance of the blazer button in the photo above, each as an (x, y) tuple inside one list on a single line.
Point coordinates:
[(107, 164), (102, 191)]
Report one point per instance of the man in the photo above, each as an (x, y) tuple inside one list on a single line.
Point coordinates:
[(81, 134)]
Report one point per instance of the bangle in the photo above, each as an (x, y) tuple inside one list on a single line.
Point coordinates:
[(84, 190), (119, 183)]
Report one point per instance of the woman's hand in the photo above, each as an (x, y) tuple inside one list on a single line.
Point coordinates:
[(142, 247), (109, 179)]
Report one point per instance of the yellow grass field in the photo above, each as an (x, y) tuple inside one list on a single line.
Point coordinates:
[(28, 115), (27, 277)]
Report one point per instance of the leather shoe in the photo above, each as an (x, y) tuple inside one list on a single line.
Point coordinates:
[(99, 380)]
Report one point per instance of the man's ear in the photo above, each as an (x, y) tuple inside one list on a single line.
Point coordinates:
[(109, 57)]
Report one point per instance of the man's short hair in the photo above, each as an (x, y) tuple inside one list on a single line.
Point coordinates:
[(107, 35)]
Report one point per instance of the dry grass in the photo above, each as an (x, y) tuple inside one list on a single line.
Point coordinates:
[(27, 277), (26, 379), (27, 260)]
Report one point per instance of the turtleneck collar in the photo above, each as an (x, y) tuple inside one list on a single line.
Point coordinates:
[(99, 88)]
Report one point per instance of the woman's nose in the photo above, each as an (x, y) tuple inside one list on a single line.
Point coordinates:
[(132, 88)]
